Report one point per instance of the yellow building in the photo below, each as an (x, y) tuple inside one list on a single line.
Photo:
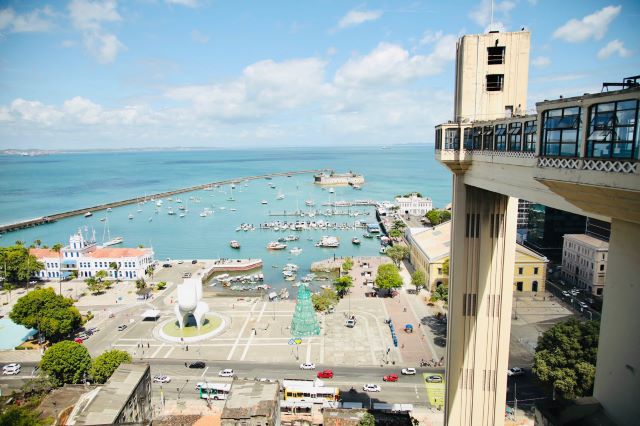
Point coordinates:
[(429, 248)]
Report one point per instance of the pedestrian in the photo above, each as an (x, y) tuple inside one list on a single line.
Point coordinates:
[(185, 364), (148, 345)]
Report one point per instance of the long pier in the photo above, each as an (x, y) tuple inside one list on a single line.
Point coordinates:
[(57, 216)]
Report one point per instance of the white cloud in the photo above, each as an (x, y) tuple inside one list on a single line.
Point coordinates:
[(187, 3), (38, 20), (614, 47), (34, 111), (357, 17), (89, 16), (429, 37), (592, 26), (199, 37), (481, 14), (390, 63), (541, 62)]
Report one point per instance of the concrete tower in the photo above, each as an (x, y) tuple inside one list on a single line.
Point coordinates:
[(492, 72)]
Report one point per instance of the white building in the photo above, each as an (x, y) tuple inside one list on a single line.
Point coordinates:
[(86, 258), (414, 205), (584, 262)]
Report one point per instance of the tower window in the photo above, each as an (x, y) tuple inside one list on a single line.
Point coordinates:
[(495, 55), (495, 82)]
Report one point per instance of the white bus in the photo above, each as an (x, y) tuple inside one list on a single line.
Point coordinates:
[(214, 391)]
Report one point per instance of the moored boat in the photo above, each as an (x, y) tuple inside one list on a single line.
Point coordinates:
[(234, 244), (355, 241), (88, 214), (328, 242), (275, 245)]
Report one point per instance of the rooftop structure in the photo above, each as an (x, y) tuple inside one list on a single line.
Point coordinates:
[(414, 205), (576, 154), (125, 398), (252, 403)]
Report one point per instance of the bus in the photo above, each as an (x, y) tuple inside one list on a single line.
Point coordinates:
[(214, 391), (314, 394)]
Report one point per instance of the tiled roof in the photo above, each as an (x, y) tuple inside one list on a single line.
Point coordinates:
[(41, 253), (102, 253)]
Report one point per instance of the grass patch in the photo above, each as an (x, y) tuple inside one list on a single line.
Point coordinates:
[(435, 391), (211, 322)]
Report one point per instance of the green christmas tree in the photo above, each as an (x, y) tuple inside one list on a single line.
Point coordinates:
[(304, 322)]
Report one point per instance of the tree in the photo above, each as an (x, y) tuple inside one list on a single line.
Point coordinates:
[(103, 366), (418, 279), (399, 225), (324, 300), (17, 264), (397, 253), (116, 268), (150, 271), (347, 264), (51, 314), (388, 277), (7, 288), (94, 285), (445, 267), (56, 247), (37, 243), (441, 293), (66, 362), (20, 416), (395, 233), (161, 285), (436, 217), (367, 419), (343, 284), (101, 275), (565, 357)]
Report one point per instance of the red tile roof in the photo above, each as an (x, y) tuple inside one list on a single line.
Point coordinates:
[(41, 253), (102, 253)]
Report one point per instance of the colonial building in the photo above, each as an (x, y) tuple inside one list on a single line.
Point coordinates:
[(584, 262), (85, 257), (252, 403), (414, 205), (429, 248)]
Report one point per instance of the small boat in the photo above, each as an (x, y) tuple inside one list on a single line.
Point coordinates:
[(264, 202), (130, 216), (234, 244), (367, 235), (109, 210), (310, 203), (102, 219), (290, 267), (287, 273), (292, 238), (383, 250), (355, 241), (113, 242), (274, 245), (139, 210), (232, 209), (88, 214), (150, 219), (182, 215), (272, 186), (295, 250), (203, 214), (291, 278), (331, 190), (171, 212), (296, 284), (357, 187), (329, 242)]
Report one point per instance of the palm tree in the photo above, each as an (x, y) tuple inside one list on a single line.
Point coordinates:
[(56, 247), (116, 268), (101, 275), (150, 270), (8, 287), (19, 242), (37, 243)]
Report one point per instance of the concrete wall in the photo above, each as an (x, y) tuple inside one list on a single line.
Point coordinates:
[(472, 101), (617, 384)]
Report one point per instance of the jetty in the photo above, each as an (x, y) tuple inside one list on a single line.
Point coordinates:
[(28, 223)]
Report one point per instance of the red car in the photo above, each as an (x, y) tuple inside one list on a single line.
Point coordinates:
[(325, 374), (78, 340), (390, 378)]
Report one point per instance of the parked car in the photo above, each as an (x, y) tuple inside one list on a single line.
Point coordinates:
[(409, 371), (227, 372), (350, 323), (11, 369), (78, 340), (325, 374), (370, 387), (122, 327), (161, 379), (434, 379), (583, 305), (180, 262), (390, 378), (83, 336), (167, 265), (196, 364), (193, 262), (565, 293), (307, 366), (515, 371)]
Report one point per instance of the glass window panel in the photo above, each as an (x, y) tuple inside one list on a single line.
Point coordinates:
[(531, 128), (552, 122), (515, 131), (572, 111), (568, 150), (488, 130), (603, 120), (477, 131), (632, 104), (553, 136), (624, 133), (605, 107), (500, 131), (552, 149), (554, 112), (626, 118), (600, 135), (568, 122), (569, 136), (601, 150), (622, 150)]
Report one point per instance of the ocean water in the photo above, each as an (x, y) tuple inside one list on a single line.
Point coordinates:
[(37, 186)]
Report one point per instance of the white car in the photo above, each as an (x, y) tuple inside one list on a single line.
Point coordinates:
[(11, 369), (409, 371), (370, 387), (307, 366), (515, 371), (161, 379), (227, 372)]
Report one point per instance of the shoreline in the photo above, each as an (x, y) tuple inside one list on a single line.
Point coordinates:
[(29, 223)]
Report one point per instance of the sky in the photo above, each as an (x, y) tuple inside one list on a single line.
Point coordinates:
[(96, 74)]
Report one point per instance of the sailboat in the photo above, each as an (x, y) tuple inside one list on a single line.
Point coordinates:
[(107, 233), (231, 196), (280, 196)]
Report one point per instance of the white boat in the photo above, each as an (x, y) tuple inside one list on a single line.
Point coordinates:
[(130, 216), (234, 244), (264, 202), (280, 196), (178, 200), (88, 214), (274, 245), (102, 219), (232, 209), (292, 238), (329, 242), (331, 190), (171, 212), (113, 242), (310, 203), (203, 214), (182, 215), (290, 267), (288, 273), (295, 250), (109, 210), (150, 219), (159, 203), (358, 187), (383, 250), (231, 196)]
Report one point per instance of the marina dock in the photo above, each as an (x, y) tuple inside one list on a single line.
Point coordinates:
[(57, 216)]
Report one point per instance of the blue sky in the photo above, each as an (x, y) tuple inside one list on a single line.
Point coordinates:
[(144, 73)]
